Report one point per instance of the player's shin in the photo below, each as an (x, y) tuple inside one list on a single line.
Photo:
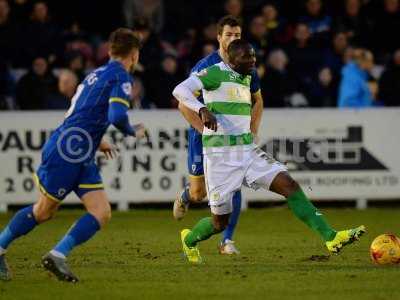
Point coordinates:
[(234, 218), (203, 230), (84, 229), (22, 223), (303, 209)]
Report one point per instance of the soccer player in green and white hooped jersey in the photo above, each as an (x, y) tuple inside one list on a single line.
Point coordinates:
[(231, 159), (229, 29)]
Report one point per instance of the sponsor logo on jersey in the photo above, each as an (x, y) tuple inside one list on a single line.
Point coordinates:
[(233, 76), (202, 73)]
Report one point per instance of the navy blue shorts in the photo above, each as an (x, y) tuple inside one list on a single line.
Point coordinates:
[(57, 177)]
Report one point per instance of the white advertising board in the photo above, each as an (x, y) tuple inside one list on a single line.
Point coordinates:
[(334, 154)]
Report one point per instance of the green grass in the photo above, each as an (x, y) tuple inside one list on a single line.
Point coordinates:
[(138, 257)]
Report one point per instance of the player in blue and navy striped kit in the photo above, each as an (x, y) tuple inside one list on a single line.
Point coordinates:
[(68, 157), (229, 29)]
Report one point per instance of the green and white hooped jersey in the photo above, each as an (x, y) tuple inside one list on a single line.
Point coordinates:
[(227, 95)]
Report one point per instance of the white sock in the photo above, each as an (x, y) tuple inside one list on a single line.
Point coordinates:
[(57, 254)]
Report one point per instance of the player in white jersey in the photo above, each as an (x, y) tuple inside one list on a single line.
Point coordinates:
[(231, 159)]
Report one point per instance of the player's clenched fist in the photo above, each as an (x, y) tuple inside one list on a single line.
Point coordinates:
[(208, 118)]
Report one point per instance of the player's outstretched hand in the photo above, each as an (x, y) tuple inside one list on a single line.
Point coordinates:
[(208, 119), (140, 131), (109, 150)]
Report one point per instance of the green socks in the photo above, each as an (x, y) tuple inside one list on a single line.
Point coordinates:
[(306, 212), (203, 230), (298, 203)]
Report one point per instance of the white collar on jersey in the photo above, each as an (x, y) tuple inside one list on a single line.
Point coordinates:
[(230, 69)]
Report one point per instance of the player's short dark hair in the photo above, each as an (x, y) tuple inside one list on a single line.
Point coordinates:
[(122, 42), (228, 20), (237, 45)]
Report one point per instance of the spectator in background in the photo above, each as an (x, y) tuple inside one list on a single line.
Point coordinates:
[(347, 56), (323, 91), (7, 86), (318, 23), (159, 82), (208, 49), (258, 36), (305, 58), (334, 56), (234, 8), (186, 43), (279, 32), (210, 33), (353, 23), (151, 52), (35, 86), (151, 10), (138, 99), (354, 90), (8, 34), (277, 84), (208, 36), (61, 99), (75, 33), (76, 41), (41, 35), (102, 53), (389, 83), (76, 63), (387, 27), (20, 10)]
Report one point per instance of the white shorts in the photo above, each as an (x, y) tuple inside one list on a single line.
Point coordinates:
[(226, 172)]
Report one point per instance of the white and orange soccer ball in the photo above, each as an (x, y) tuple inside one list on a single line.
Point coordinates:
[(385, 249)]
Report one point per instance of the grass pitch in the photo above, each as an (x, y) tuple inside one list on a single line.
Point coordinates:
[(138, 256)]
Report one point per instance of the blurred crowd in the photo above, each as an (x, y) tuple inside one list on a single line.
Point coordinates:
[(310, 53)]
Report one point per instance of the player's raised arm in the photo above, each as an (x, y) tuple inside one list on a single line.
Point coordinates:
[(184, 92)]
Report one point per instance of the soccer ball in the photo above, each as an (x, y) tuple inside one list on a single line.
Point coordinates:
[(385, 249)]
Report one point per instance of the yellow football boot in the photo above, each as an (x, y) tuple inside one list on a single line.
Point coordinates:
[(343, 238), (192, 253)]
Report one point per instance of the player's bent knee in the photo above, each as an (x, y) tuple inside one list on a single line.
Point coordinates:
[(102, 213), (284, 185), (43, 216), (219, 227), (197, 189), (197, 194), (44, 209), (43, 213), (292, 186), (220, 222), (97, 204)]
